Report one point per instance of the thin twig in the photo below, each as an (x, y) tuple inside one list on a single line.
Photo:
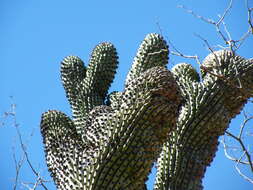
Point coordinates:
[(206, 42), (25, 157), (232, 158), (18, 166), (210, 21), (239, 140), (38, 182), (243, 38), (225, 12), (249, 9), (232, 44), (180, 54), (240, 172)]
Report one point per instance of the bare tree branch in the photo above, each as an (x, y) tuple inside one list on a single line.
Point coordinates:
[(246, 154), (180, 54), (18, 166), (250, 9), (239, 140), (25, 156), (231, 43), (210, 21), (207, 20), (24, 149), (232, 158), (240, 172), (35, 184)]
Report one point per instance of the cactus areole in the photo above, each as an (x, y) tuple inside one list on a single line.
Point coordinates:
[(169, 117)]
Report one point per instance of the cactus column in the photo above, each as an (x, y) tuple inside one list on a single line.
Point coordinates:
[(173, 118), (111, 146), (208, 108)]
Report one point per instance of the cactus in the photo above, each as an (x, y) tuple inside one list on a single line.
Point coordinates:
[(209, 105), (170, 117)]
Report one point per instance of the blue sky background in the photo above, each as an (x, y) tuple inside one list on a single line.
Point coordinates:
[(37, 35)]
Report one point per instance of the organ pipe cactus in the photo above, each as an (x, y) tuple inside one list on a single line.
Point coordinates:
[(171, 117), (111, 146), (209, 105)]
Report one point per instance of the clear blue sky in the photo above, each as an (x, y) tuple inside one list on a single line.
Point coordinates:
[(36, 35)]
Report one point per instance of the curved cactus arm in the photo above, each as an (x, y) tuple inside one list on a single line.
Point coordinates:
[(128, 139), (205, 115), (152, 52), (73, 72), (131, 141), (112, 147), (87, 87), (101, 70), (61, 146)]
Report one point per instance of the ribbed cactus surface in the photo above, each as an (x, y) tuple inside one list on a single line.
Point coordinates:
[(171, 117), (209, 105)]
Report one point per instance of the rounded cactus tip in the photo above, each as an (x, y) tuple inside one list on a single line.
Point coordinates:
[(72, 71), (153, 35), (216, 60), (105, 46), (71, 60), (185, 69)]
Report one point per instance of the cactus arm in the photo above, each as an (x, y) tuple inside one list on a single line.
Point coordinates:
[(73, 72), (114, 146), (205, 115), (101, 70), (139, 129), (152, 52), (87, 87), (127, 142), (61, 144)]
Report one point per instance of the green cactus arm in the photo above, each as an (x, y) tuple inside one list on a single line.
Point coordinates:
[(137, 130), (127, 139), (73, 72), (87, 87), (117, 144), (206, 113), (101, 69), (61, 141), (152, 52)]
